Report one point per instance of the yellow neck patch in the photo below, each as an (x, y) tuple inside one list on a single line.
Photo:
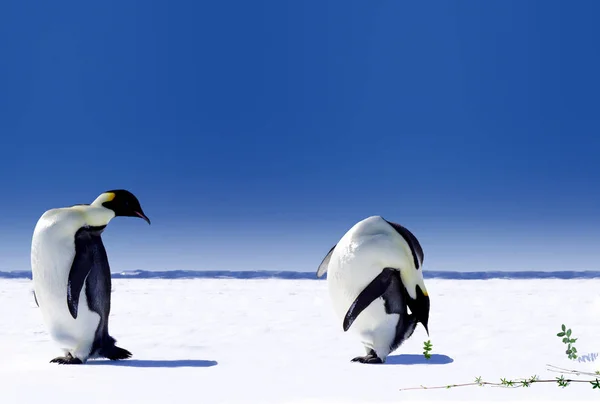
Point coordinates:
[(105, 197)]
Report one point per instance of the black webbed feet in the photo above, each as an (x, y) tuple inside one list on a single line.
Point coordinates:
[(67, 360)]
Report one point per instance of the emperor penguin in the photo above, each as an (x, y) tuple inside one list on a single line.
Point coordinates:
[(374, 275), (71, 275)]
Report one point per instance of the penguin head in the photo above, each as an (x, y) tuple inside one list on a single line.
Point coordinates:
[(420, 307), (122, 202), (417, 297)]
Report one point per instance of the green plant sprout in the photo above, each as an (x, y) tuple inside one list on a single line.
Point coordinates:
[(506, 383), (566, 339), (561, 381), (427, 346)]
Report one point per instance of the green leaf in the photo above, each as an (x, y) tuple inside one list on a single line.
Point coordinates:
[(565, 340), (569, 332), (563, 327), (572, 341), (560, 334)]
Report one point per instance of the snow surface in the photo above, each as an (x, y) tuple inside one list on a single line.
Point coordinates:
[(277, 341)]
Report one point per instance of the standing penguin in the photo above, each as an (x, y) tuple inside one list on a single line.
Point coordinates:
[(71, 275), (374, 273)]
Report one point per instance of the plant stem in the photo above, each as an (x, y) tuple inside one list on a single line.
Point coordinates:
[(557, 369), (495, 384)]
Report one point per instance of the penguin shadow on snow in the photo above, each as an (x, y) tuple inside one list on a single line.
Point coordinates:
[(413, 359), (158, 363)]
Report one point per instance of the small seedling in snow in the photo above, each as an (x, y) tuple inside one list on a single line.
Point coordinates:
[(427, 347), (560, 381), (527, 383), (566, 339)]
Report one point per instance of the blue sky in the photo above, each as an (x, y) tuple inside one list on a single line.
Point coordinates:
[(256, 133)]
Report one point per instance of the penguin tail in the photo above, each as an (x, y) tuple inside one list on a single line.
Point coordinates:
[(113, 352)]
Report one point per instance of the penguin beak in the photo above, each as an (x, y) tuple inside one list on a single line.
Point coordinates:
[(141, 214), (420, 307)]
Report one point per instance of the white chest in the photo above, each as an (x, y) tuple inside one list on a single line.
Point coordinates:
[(52, 253)]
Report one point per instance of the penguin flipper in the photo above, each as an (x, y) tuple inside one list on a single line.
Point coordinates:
[(323, 266), (374, 290), (76, 278), (86, 251)]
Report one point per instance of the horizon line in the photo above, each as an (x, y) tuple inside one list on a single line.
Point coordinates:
[(294, 275)]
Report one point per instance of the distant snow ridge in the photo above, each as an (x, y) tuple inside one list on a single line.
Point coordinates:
[(181, 274)]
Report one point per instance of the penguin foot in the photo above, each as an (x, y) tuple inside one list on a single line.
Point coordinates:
[(371, 358), (114, 353), (67, 360)]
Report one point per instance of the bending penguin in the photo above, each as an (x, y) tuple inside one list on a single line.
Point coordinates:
[(71, 275), (374, 277)]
